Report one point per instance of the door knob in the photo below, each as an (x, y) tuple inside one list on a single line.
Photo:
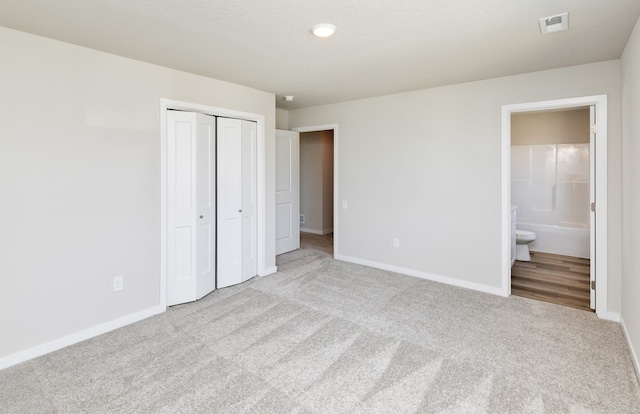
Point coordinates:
[(240, 211), (201, 216)]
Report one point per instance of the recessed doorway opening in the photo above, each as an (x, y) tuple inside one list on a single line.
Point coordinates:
[(598, 192)]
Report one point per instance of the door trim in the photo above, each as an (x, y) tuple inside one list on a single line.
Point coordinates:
[(167, 104), (336, 216), (600, 102)]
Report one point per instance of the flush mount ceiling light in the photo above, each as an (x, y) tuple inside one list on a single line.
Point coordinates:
[(553, 24), (323, 29), (288, 98)]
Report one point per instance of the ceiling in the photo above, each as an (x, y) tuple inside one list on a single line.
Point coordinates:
[(381, 46)]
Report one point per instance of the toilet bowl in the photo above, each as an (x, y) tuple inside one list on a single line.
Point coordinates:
[(523, 238)]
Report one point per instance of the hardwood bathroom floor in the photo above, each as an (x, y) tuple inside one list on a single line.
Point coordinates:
[(553, 278)]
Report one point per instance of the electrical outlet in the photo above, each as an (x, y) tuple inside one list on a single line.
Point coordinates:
[(396, 242), (345, 205), (118, 283)]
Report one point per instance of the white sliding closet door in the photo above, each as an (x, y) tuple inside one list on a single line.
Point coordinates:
[(237, 183), (190, 213)]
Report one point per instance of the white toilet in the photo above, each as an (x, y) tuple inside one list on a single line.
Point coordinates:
[(523, 238)]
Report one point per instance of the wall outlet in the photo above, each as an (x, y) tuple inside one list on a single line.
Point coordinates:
[(345, 205), (396, 242), (118, 283)]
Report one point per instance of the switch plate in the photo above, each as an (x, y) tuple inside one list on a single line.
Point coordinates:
[(396, 242), (118, 283), (345, 205)]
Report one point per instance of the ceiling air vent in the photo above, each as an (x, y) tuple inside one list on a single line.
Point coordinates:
[(553, 24)]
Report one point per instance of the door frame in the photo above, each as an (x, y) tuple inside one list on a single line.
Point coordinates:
[(167, 104), (600, 103), (334, 128)]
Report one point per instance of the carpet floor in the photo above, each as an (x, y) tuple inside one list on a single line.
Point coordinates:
[(323, 336)]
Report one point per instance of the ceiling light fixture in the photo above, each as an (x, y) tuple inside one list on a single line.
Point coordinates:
[(323, 29), (288, 98)]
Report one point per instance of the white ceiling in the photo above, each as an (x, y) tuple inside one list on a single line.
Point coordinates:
[(381, 46)]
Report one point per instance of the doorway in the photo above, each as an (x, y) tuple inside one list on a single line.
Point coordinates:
[(550, 193), (598, 215), (258, 165), (319, 186)]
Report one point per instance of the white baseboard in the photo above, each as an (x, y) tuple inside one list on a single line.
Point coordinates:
[(327, 231), (612, 316), (60, 343), (423, 275), (632, 351), (312, 231), (269, 271)]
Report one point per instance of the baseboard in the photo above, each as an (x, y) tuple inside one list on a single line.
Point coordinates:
[(269, 271), (634, 355), (60, 343), (312, 231), (327, 231), (423, 275), (612, 316)]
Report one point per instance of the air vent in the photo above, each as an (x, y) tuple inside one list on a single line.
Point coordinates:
[(553, 24)]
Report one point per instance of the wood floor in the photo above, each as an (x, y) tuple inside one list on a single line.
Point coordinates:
[(553, 278)]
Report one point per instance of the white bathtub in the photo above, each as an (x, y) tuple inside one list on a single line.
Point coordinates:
[(570, 240)]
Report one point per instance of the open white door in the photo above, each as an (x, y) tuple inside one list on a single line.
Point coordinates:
[(287, 191), (592, 198), (249, 200), (205, 204)]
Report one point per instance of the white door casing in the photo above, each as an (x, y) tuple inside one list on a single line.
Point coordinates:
[(599, 184), (249, 202), (592, 200), (287, 191), (205, 205)]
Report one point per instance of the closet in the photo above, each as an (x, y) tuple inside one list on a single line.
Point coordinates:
[(212, 204)]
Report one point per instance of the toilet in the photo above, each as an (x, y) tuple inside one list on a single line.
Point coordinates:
[(523, 238)]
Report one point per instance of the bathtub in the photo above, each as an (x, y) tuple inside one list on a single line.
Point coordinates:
[(569, 240)]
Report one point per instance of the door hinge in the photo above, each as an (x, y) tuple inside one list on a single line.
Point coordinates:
[(593, 207), (594, 128), (593, 285)]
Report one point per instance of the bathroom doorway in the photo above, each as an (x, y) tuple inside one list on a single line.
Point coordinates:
[(560, 198), (551, 195)]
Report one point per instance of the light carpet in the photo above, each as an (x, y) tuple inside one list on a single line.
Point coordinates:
[(323, 336)]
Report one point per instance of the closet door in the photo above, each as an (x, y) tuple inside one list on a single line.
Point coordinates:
[(190, 213), (205, 205), (237, 182)]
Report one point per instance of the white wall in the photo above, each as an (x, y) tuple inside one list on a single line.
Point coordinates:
[(80, 183), (425, 167), (327, 181), (631, 194), (282, 119)]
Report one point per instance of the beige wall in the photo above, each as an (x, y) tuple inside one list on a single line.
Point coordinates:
[(559, 127), (425, 167), (80, 183), (316, 181), (282, 119), (311, 181), (327, 181), (631, 193)]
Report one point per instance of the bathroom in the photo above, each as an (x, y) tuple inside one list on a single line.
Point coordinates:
[(550, 188)]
